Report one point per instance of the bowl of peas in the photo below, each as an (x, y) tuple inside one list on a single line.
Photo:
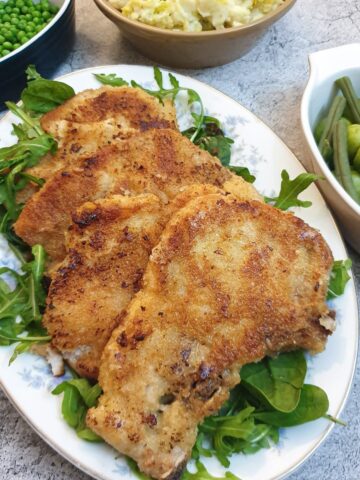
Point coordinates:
[(330, 117), (39, 32)]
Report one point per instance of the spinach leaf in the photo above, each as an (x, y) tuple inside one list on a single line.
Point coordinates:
[(276, 382), (291, 189), (42, 95), (110, 79), (313, 404), (79, 396), (338, 278)]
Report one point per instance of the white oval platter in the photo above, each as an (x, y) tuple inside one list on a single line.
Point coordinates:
[(28, 381)]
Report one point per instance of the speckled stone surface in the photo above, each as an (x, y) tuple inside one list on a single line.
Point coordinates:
[(269, 81)]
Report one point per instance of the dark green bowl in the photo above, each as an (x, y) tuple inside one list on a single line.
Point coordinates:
[(45, 50)]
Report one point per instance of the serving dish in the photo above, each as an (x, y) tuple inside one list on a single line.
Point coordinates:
[(325, 67), (46, 49), (28, 381), (192, 50)]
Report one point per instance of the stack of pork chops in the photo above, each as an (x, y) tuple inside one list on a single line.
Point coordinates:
[(168, 272)]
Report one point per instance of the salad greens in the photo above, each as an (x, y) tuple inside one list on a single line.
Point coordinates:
[(313, 404), (21, 308), (272, 393), (291, 189), (42, 95), (211, 138), (277, 382), (111, 79), (33, 143), (339, 278), (259, 406), (79, 396)]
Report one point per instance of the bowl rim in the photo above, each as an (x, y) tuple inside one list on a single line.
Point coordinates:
[(104, 5), (33, 39), (308, 133)]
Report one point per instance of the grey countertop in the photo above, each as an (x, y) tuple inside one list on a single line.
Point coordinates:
[(269, 81)]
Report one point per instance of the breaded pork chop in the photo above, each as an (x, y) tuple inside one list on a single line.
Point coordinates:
[(161, 162), (108, 246), (95, 118), (228, 283)]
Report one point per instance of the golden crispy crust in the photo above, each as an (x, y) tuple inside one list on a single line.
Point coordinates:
[(161, 162), (228, 283), (131, 107), (95, 118), (108, 246)]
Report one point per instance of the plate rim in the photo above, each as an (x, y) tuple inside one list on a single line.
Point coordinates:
[(81, 466)]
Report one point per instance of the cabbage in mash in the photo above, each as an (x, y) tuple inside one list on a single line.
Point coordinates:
[(195, 15)]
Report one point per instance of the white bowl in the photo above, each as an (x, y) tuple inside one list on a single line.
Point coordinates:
[(327, 66)]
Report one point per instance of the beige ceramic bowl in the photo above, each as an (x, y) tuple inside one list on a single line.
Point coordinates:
[(192, 50)]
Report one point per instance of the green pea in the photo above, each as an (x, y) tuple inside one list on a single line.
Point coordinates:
[(46, 15), (8, 35), (15, 21), (24, 9), (16, 45), (7, 45), (6, 18), (5, 52), (2, 39), (19, 3)]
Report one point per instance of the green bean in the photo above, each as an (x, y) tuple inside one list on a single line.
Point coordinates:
[(335, 113), (345, 85), (341, 159)]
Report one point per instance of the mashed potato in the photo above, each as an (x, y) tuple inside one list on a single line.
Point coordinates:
[(195, 15)]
